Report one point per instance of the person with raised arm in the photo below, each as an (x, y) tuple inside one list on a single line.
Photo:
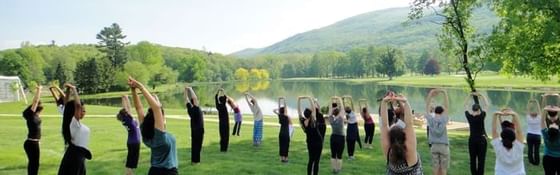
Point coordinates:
[(478, 144), (197, 124), (399, 144), (284, 134), (438, 139), (76, 136), (237, 116), (163, 156), (60, 98), (508, 145), (369, 125), (133, 141), (550, 132), (533, 131), (321, 125), (221, 99), (352, 131), (32, 116), (314, 139), (257, 118), (337, 120)]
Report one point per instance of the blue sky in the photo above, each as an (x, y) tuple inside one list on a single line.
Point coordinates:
[(223, 26)]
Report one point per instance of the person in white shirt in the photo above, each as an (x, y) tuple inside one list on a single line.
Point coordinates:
[(508, 146), (533, 131), (76, 136)]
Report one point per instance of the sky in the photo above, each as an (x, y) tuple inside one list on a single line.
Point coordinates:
[(222, 26)]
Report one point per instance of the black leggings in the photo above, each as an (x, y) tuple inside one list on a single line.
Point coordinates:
[(284, 142), (162, 171), (477, 154), (370, 131), (353, 135), (337, 146), (550, 165), (236, 128), (224, 135), (533, 145), (197, 136), (314, 150), (33, 153)]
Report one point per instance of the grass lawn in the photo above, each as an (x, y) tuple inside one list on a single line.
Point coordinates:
[(108, 145)]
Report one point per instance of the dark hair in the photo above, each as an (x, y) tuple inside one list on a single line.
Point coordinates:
[(282, 110), (438, 110), (364, 110), (69, 112), (552, 113), (123, 114), (334, 105), (347, 109), (60, 101), (475, 107), (148, 125), (507, 124), (508, 136), (335, 111), (397, 139), (553, 134), (222, 99), (307, 113), (39, 108)]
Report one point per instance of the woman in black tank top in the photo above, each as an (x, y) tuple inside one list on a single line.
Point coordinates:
[(33, 121)]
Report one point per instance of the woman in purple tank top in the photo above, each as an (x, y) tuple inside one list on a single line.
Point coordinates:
[(133, 143)]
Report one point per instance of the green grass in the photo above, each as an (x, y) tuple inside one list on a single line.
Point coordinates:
[(108, 145), (482, 81)]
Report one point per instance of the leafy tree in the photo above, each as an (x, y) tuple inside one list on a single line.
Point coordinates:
[(526, 40), (422, 60), (165, 75), (288, 70), (241, 74), (254, 74), (112, 45), (33, 59), (357, 61), (391, 63), (264, 74), (147, 54), (87, 76), (457, 35), (60, 75), (431, 67), (12, 64), (137, 70)]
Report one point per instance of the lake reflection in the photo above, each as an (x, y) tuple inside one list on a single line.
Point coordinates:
[(267, 93)]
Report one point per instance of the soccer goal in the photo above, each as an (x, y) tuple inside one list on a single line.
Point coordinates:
[(11, 89)]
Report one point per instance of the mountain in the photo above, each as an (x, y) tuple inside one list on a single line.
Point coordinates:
[(377, 28)]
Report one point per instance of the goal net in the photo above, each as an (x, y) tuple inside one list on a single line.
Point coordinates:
[(11, 89)]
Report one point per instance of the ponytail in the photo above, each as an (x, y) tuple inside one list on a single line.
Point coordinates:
[(508, 136), (67, 115), (398, 148)]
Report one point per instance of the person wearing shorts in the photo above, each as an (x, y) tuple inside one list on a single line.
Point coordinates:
[(438, 133)]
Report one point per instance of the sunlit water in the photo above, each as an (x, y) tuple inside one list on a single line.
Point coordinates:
[(267, 94)]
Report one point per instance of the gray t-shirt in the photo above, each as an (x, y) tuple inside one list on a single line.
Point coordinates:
[(257, 113), (337, 125), (438, 129)]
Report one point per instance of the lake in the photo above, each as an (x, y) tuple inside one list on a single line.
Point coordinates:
[(267, 93)]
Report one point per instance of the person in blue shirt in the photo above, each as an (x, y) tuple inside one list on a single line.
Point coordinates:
[(163, 158)]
